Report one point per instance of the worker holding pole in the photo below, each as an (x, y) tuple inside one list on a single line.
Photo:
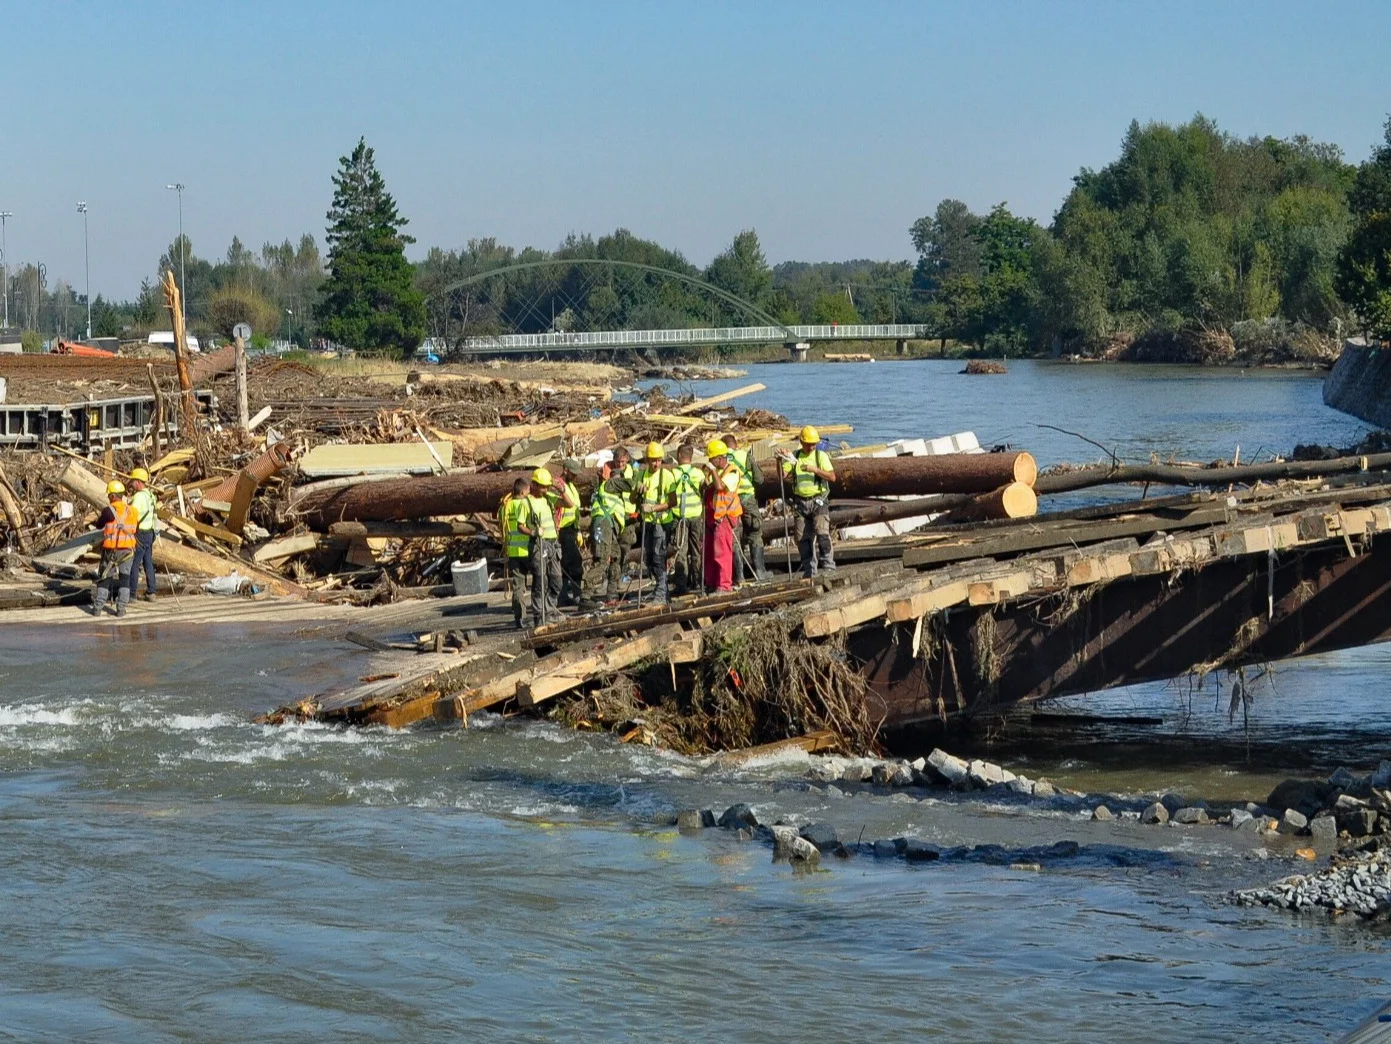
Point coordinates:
[(119, 523), (608, 522), (811, 473), (722, 511), (750, 518), (147, 510), (654, 495), (567, 521), (517, 546), (538, 523), (688, 509)]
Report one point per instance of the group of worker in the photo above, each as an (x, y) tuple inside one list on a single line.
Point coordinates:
[(699, 526), (128, 529)]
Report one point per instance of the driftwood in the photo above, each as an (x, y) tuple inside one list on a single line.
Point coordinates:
[(1171, 475)]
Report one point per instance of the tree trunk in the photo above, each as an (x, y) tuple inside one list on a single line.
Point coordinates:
[(462, 494)]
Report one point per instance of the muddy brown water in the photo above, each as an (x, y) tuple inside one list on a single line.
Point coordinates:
[(173, 872)]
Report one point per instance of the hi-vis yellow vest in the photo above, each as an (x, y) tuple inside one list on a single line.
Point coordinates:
[(509, 519), (806, 485)]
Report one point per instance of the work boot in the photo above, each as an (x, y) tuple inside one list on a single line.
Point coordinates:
[(148, 596), (760, 569)]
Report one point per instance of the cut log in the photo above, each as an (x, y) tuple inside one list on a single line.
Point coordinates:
[(177, 558), (1016, 500), (611, 658), (405, 530), (461, 494), (82, 484), (14, 514), (188, 414)]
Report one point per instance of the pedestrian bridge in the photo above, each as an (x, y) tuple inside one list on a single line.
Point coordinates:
[(796, 338)]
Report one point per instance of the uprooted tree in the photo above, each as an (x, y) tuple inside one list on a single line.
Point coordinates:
[(369, 300)]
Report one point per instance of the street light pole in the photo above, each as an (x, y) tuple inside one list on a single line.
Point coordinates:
[(5, 262), (178, 187), (86, 265)]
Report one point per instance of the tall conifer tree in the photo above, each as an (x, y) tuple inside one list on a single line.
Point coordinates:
[(369, 299)]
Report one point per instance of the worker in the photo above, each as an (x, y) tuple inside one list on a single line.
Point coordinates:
[(811, 473), (118, 523), (147, 509), (654, 500), (688, 523), (750, 519), (566, 496), (538, 523), (608, 520), (516, 544), (722, 511), (624, 468)]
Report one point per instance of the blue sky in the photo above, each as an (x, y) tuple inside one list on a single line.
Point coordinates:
[(828, 128)]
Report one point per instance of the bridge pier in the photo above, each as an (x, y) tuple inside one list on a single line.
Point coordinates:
[(798, 350), (901, 346)]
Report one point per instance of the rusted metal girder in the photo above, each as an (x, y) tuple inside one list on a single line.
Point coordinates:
[(1140, 629), (463, 493)]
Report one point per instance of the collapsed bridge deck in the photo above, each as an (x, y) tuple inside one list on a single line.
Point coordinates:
[(973, 619)]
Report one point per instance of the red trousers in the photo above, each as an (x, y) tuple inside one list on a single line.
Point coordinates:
[(719, 554)]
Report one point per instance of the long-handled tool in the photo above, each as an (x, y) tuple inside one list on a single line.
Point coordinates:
[(787, 537), (642, 559)]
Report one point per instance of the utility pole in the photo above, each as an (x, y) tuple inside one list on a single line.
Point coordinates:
[(86, 265), (178, 187), (5, 261)]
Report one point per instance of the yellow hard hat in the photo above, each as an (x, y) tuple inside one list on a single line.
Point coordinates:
[(655, 451), (139, 475), (716, 448), (113, 487), (810, 434), (541, 477)]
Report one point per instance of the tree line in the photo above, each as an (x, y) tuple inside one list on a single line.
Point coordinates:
[(1191, 242)]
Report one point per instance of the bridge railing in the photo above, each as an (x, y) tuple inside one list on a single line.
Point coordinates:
[(714, 335)]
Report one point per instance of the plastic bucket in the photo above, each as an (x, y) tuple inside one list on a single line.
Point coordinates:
[(470, 578)]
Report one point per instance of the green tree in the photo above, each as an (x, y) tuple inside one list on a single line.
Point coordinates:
[(946, 243), (834, 308), (1363, 276), (742, 270), (369, 299), (230, 305), (1364, 273)]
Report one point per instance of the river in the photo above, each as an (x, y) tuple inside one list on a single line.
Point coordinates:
[(173, 872)]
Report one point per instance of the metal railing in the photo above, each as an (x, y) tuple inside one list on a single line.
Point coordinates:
[(714, 335)]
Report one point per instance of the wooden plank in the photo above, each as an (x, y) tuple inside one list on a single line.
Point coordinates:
[(992, 592), (812, 743), (714, 400), (242, 496), (281, 548), (195, 529), (943, 596), (611, 658), (413, 458), (833, 621), (689, 648)]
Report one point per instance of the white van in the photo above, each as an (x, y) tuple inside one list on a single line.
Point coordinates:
[(165, 339)]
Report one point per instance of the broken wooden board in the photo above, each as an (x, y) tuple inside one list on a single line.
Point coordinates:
[(608, 659), (281, 548), (412, 458), (812, 743)]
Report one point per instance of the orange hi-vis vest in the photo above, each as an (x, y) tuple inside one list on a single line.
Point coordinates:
[(726, 500), (119, 533)]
